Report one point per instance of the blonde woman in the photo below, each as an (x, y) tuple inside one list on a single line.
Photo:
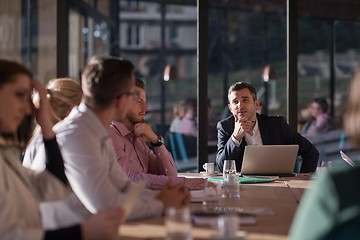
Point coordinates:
[(63, 94), (179, 113)]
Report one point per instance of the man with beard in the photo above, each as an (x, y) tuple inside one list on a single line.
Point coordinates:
[(246, 127), (87, 149), (137, 160)]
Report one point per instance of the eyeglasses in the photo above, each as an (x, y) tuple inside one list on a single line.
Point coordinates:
[(136, 94)]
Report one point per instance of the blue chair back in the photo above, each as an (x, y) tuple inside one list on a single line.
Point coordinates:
[(181, 145), (173, 146), (178, 148)]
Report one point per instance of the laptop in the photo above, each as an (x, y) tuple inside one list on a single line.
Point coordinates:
[(269, 160)]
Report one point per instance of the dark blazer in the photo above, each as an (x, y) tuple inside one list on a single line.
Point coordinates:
[(274, 131)]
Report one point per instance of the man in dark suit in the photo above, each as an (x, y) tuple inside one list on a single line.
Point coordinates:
[(246, 127)]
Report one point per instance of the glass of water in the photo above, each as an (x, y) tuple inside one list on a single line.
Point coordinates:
[(229, 167), (178, 224), (212, 193), (231, 188)]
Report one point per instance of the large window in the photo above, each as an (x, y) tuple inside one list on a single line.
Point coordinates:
[(329, 53), (245, 37), (10, 30), (153, 35), (88, 34), (28, 35)]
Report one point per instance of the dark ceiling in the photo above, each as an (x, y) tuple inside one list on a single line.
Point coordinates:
[(329, 9)]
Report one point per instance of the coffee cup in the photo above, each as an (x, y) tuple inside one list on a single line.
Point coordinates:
[(209, 167)]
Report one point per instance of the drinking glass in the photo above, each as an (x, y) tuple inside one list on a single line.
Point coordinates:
[(230, 188), (178, 224), (228, 226), (229, 167), (212, 194)]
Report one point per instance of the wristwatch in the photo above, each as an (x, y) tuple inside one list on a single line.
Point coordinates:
[(159, 142)]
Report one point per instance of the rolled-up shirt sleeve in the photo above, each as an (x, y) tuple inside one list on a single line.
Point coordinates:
[(141, 164)]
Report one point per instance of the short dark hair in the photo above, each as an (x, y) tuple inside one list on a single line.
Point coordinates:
[(104, 79), (322, 104), (190, 103), (139, 83), (242, 85)]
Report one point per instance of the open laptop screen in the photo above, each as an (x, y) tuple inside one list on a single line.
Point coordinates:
[(273, 160)]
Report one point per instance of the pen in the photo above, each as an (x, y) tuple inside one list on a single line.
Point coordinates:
[(249, 121)]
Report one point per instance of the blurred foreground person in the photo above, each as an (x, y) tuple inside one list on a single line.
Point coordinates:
[(21, 189), (331, 208)]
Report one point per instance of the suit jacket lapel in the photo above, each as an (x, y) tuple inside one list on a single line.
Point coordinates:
[(264, 130)]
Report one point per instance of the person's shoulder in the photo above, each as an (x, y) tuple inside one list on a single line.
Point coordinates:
[(226, 125), (118, 129), (344, 171), (327, 118), (227, 120), (77, 121), (270, 118), (265, 116), (38, 138), (340, 178), (36, 141)]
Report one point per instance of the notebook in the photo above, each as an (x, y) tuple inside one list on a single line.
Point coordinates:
[(274, 160)]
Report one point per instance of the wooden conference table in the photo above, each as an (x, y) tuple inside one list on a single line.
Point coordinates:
[(282, 196)]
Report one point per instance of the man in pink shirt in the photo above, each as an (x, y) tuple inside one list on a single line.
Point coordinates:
[(137, 160), (323, 121)]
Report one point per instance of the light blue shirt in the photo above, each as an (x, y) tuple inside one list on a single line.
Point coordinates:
[(91, 166)]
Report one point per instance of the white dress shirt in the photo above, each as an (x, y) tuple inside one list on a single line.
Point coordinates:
[(254, 139), (91, 166)]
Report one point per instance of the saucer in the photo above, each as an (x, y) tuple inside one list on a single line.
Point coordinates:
[(238, 236)]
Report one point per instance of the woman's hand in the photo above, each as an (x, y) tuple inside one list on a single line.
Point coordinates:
[(42, 112)]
